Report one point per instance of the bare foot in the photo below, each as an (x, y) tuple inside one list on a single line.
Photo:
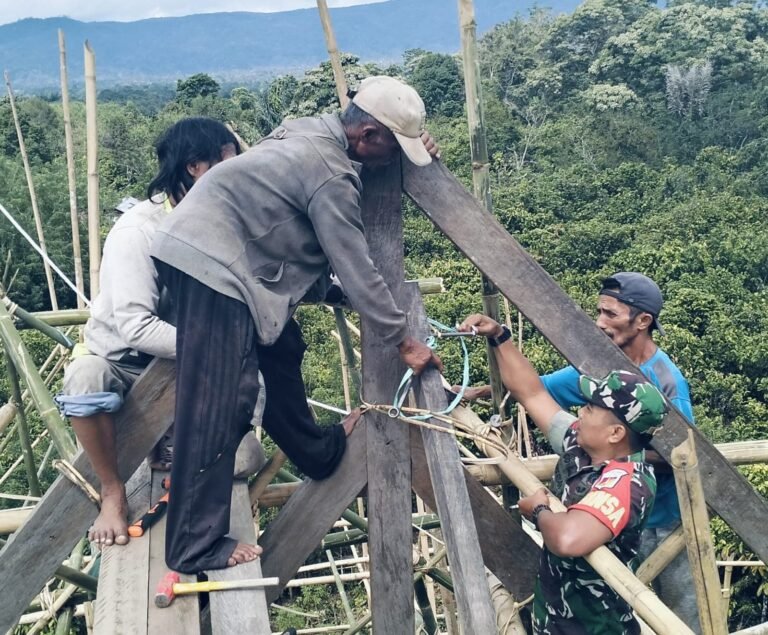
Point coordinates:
[(350, 421), (243, 553), (111, 526)]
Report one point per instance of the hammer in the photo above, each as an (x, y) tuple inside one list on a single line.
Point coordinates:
[(170, 587)]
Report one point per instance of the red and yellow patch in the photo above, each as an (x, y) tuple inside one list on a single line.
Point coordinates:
[(609, 500)]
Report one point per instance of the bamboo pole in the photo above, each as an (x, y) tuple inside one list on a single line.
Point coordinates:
[(726, 590), (76, 253), (19, 459), (265, 476), (508, 621), (32, 194), (480, 174), (340, 586), (64, 621), (23, 430), (74, 576), (737, 453), (42, 399), (92, 136), (12, 519), (31, 321), (333, 53), (425, 607), (64, 317), (614, 572), (665, 553), (698, 539)]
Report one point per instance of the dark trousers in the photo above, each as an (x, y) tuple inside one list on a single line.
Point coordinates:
[(217, 364)]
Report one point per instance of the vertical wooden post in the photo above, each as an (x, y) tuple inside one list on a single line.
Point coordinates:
[(333, 52), (92, 136), (23, 429), (479, 153), (476, 614), (76, 254), (698, 539), (32, 194), (388, 443)]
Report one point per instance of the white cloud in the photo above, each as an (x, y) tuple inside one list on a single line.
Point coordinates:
[(119, 10)]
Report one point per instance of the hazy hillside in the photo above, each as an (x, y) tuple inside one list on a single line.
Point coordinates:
[(238, 46)]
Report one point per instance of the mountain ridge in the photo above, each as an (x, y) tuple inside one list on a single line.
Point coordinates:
[(226, 45)]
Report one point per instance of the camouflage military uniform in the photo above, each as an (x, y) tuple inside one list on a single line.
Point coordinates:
[(570, 597)]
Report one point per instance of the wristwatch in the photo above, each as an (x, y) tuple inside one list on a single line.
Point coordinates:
[(505, 335), (536, 511)]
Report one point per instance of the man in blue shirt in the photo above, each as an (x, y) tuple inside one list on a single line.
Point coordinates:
[(628, 309)]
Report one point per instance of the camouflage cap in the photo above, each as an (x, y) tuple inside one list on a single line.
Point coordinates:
[(632, 398)]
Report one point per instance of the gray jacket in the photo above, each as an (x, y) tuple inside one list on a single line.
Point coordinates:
[(129, 316), (264, 226)]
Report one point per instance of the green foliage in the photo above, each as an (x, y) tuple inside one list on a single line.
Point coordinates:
[(198, 85), (436, 77)]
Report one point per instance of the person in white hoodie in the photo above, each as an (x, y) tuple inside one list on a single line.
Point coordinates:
[(129, 323)]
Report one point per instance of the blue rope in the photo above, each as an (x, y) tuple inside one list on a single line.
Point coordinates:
[(405, 383)]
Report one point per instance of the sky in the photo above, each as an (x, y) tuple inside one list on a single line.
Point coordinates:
[(126, 11)]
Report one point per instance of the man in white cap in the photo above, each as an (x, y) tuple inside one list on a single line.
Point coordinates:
[(257, 235)]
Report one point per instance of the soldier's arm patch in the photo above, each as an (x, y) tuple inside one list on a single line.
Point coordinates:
[(610, 499)]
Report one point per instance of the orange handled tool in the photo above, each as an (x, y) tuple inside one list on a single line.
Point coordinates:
[(154, 514)]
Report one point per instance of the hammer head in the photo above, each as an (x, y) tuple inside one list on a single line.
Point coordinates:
[(164, 594)]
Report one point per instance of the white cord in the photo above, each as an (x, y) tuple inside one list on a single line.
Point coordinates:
[(44, 256)]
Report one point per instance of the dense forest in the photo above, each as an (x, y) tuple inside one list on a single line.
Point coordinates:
[(623, 136)]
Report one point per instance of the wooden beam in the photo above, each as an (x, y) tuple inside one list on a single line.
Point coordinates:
[(473, 596), (389, 454), (310, 512), (59, 520), (521, 279), (245, 610), (121, 604), (183, 615), (507, 550)]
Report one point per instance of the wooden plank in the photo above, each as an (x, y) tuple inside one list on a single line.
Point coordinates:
[(244, 611), (121, 603), (182, 617), (310, 512), (60, 519), (509, 552), (521, 279), (389, 454), (473, 596)]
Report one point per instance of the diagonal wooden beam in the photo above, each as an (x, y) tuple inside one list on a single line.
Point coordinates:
[(521, 279), (473, 596), (311, 510), (509, 552), (62, 516)]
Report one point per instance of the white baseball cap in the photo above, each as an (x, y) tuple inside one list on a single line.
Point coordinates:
[(397, 106)]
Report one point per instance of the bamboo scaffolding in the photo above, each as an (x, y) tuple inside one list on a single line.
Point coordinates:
[(23, 430), (72, 186), (32, 194), (19, 460), (74, 576), (480, 174), (30, 320), (340, 585), (698, 539), (64, 621), (42, 399), (614, 572), (92, 136), (508, 620)]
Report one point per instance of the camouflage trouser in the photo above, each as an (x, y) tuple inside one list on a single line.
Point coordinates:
[(579, 612), (674, 585)]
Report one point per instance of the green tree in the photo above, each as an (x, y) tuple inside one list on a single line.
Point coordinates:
[(198, 85)]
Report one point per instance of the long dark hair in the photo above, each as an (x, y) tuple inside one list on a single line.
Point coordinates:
[(187, 141)]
